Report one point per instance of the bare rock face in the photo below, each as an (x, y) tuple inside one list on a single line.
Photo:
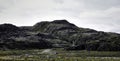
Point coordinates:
[(49, 52), (57, 33)]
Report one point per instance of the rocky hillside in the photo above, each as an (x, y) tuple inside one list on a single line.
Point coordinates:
[(57, 34)]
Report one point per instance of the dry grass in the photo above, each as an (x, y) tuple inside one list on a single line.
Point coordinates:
[(62, 55)]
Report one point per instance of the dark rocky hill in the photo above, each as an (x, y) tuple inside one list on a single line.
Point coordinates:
[(58, 33)]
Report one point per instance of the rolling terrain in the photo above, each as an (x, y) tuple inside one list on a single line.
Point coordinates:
[(57, 34)]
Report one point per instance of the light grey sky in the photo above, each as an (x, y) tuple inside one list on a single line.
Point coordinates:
[(103, 15)]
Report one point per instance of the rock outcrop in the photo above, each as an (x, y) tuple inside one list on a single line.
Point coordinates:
[(58, 33)]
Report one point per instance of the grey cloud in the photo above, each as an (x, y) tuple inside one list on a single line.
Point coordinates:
[(107, 20), (96, 14), (100, 4), (59, 1)]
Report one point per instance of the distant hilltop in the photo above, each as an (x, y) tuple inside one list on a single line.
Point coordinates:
[(57, 34)]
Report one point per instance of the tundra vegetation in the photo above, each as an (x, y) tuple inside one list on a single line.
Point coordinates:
[(58, 55)]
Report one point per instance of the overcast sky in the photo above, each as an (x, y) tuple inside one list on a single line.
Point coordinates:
[(103, 15)]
